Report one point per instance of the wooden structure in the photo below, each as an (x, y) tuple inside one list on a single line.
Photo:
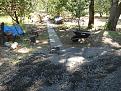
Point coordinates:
[(2, 38)]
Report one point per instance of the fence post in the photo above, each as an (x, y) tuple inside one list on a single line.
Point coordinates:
[(2, 39)]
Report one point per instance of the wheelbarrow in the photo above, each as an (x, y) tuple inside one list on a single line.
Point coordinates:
[(80, 35)]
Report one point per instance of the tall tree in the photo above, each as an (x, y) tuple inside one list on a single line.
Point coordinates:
[(115, 12), (77, 8), (55, 7), (91, 14), (16, 8), (102, 7)]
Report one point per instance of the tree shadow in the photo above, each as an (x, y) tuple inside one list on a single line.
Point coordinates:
[(95, 71), (33, 73), (96, 38), (38, 73), (93, 41), (22, 74)]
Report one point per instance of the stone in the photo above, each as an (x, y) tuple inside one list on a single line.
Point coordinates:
[(14, 45)]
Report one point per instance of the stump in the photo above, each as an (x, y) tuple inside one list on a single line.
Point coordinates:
[(2, 38)]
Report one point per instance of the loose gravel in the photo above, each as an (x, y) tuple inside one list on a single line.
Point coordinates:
[(38, 73)]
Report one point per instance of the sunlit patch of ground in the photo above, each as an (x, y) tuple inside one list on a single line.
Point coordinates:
[(109, 41), (112, 40), (99, 37), (74, 62), (45, 42), (98, 22), (84, 22), (23, 50)]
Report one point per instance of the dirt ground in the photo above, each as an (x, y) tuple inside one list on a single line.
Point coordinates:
[(9, 57), (98, 38), (34, 71), (38, 73)]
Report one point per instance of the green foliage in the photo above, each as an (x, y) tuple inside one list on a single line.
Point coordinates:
[(76, 7), (20, 7), (107, 26), (41, 5), (55, 7), (102, 6)]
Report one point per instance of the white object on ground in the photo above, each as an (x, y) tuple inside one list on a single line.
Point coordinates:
[(14, 45)]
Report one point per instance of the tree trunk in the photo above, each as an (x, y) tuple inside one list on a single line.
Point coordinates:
[(91, 14), (100, 14), (79, 23), (16, 17), (114, 15)]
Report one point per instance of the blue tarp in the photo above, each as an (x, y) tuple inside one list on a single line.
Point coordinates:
[(16, 30)]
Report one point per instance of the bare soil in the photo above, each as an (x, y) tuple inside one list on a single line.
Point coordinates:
[(34, 71)]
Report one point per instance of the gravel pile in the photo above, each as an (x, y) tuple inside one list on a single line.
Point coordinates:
[(112, 82), (96, 74), (31, 71), (38, 73)]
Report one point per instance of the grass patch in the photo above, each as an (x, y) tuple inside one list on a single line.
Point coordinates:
[(114, 34)]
